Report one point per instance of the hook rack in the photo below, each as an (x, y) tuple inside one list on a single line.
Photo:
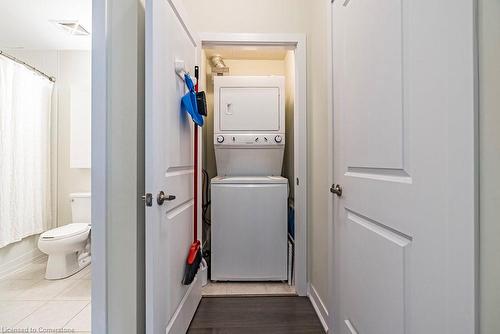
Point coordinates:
[(180, 69)]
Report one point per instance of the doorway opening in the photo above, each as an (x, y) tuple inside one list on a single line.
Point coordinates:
[(45, 168), (258, 68)]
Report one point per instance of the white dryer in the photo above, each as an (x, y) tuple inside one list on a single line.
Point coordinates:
[(249, 125), (249, 196)]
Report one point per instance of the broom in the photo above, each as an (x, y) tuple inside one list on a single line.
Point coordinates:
[(194, 257)]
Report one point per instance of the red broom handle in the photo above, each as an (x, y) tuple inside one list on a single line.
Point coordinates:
[(195, 229)]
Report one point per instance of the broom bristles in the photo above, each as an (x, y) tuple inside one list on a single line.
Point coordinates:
[(191, 269)]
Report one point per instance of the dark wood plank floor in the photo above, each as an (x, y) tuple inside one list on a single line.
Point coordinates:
[(255, 315)]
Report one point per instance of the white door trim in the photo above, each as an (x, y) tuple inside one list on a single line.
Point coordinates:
[(297, 42), (329, 104), (99, 166)]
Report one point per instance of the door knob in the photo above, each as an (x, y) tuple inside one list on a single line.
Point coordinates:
[(162, 198), (336, 189)]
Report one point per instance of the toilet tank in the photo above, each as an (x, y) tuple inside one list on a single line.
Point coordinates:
[(80, 207)]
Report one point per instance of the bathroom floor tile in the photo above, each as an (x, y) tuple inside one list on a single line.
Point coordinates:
[(11, 312), (81, 290), (52, 315), (82, 321), (12, 289), (87, 276), (82, 273), (45, 289), (41, 259), (34, 271)]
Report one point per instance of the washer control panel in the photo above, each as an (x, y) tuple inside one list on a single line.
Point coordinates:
[(249, 139)]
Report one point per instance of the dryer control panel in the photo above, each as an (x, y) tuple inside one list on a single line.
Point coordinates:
[(249, 139)]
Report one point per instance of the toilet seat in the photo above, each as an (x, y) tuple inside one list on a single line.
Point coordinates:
[(66, 231)]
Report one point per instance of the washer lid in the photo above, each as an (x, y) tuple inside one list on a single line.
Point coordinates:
[(249, 180), (65, 231)]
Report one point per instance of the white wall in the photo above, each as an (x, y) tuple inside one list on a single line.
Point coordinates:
[(74, 71), (489, 129), (289, 16), (69, 68)]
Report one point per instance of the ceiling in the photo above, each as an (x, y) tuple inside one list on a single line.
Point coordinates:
[(261, 52), (27, 24)]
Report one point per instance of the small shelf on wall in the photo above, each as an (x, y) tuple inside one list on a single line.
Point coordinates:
[(80, 129)]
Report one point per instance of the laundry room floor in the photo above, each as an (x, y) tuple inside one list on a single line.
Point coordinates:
[(217, 289), (243, 315)]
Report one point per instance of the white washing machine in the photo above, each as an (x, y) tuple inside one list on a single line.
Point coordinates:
[(249, 196), (249, 228)]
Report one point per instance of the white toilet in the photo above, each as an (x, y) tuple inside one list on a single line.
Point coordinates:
[(68, 246)]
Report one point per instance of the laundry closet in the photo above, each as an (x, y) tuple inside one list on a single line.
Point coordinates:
[(248, 170)]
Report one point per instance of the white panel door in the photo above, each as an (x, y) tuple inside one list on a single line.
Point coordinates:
[(404, 110), (169, 168)]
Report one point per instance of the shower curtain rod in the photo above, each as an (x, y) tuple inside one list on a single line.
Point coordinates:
[(51, 78)]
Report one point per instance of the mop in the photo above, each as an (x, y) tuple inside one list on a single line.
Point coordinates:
[(189, 104)]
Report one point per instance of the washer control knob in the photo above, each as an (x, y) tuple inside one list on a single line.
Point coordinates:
[(220, 139), (278, 139)]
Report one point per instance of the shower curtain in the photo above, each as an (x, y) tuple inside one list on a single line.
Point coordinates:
[(25, 184)]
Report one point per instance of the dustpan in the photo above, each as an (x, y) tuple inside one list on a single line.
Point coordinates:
[(189, 103)]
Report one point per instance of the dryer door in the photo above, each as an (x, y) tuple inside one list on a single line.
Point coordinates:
[(249, 109)]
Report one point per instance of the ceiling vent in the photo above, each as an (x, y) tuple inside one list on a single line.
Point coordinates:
[(72, 27)]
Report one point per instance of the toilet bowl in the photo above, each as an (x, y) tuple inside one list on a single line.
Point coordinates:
[(68, 246)]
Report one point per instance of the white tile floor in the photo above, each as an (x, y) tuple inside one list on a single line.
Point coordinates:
[(28, 300), (247, 289)]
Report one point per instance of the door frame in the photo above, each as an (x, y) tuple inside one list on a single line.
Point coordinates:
[(331, 155), (117, 166), (297, 42)]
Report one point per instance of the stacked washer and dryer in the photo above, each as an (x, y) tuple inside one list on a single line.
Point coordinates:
[(249, 197)]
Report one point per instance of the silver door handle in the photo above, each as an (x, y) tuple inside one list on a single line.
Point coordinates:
[(336, 189), (161, 198)]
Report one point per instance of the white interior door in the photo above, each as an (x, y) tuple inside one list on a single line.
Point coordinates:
[(170, 305), (404, 124)]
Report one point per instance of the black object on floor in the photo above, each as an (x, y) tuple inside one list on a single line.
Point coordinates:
[(255, 315)]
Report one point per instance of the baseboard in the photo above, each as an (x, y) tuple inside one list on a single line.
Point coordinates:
[(319, 306), (20, 262), (183, 315)]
